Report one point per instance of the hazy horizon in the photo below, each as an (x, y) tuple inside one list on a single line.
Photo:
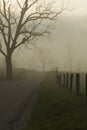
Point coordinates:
[(68, 38)]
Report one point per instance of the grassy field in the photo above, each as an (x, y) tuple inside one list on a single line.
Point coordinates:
[(57, 109)]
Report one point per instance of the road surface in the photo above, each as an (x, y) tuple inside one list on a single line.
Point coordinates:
[(14, 96)]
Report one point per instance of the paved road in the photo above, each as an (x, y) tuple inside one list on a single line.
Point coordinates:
[(13, 95)]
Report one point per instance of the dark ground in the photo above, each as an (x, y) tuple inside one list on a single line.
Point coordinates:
[(14, 96), (57, 108)]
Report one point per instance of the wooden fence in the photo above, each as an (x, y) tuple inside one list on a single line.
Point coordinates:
[(70, 80)]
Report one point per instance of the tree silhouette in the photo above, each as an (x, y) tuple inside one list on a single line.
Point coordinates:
[(21, 23)]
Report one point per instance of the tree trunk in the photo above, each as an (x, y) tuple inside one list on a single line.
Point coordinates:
[(9, 67)]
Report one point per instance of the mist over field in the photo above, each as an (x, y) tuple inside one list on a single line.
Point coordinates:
[(67, 43), (43, 62)]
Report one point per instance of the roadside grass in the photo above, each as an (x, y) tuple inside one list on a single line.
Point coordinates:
[(58, 109)]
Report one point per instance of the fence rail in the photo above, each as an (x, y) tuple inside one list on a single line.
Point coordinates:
[(73, 82)]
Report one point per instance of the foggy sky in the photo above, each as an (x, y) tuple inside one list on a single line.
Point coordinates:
[(69, 34)]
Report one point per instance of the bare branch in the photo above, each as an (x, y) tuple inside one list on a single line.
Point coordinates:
[(19, 4), (3, 34), (35, 46), (5, 13), (13, 26), (32, 4), (2, 52), (22, 42), (9, 26)]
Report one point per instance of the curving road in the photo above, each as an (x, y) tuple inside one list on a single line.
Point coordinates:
[(14, 96)]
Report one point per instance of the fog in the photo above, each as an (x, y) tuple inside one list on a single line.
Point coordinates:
[(66, 45)]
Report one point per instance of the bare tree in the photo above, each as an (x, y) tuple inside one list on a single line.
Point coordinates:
[(43, 56), (20, 25)]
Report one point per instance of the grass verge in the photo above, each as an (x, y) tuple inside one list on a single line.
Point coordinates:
[(57, 109)]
